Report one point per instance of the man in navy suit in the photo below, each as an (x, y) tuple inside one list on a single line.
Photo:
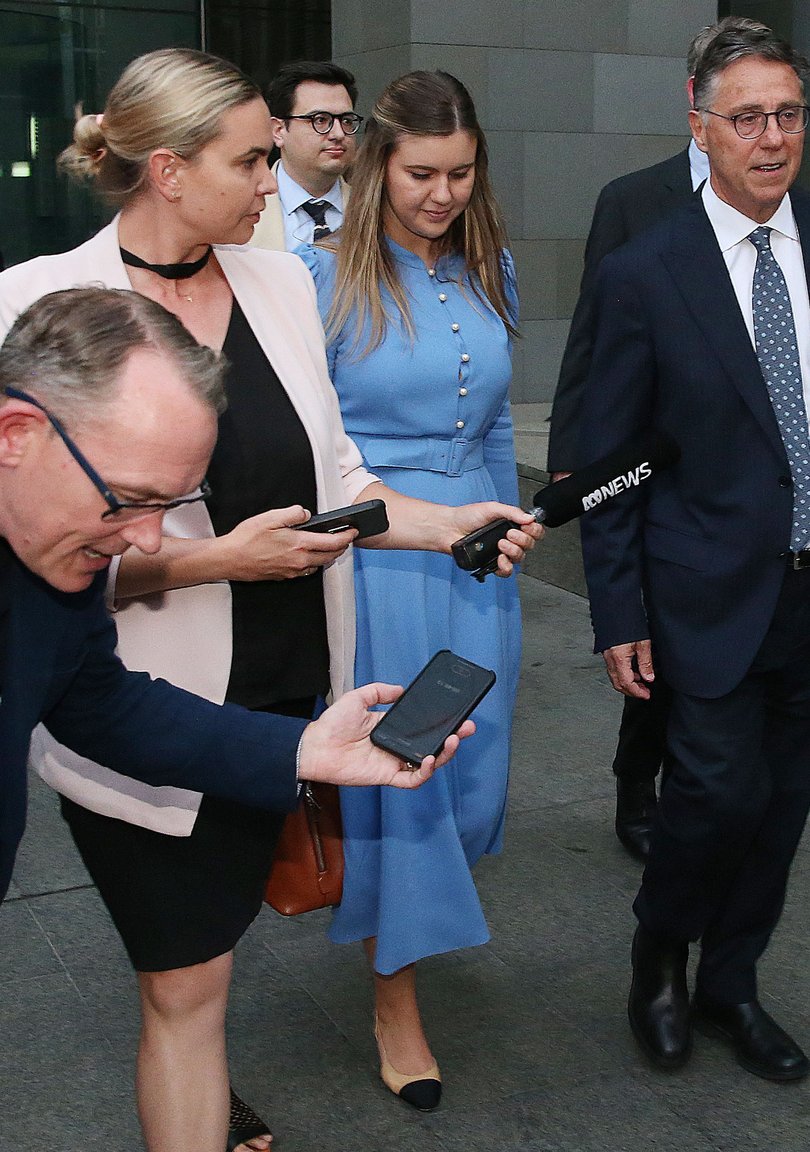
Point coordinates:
[(712, 563), (140, 398), (625, 208)]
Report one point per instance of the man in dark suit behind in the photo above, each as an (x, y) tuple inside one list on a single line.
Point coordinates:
[(626, 207), (703, 331)]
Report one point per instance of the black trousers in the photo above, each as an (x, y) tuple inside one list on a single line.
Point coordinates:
[(733, 807), (642, 736)]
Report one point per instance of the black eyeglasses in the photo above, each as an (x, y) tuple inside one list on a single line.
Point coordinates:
[(118, 511), (322, 122), (750, 125)]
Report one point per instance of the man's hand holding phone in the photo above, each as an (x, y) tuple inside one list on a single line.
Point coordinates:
[(336, 747)]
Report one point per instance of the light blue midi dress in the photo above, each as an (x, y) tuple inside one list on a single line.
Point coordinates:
[(431, 418)]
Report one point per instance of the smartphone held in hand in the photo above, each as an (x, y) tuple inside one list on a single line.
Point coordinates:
[(369, 518), (432, 707)]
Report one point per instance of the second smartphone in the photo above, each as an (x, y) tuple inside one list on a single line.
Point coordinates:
[(369, 518), (432, 707)]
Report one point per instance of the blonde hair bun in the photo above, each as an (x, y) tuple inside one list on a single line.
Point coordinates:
[(84, 157), (173, 98)]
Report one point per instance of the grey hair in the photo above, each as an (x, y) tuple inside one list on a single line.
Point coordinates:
[(69, 348), (705, 36), (737, 44)]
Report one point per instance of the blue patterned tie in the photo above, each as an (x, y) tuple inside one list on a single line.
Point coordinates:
[(778, 355)]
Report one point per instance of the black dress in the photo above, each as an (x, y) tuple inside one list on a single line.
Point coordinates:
[(175, 900)]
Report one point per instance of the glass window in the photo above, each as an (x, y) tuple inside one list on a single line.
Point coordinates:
[(52, 57), (259, 35), (55, 54)]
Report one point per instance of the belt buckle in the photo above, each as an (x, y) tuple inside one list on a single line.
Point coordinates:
[(801, 560)]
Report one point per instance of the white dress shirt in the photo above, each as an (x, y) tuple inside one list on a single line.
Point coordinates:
[(299, 227), (698, 165), (732, 230)]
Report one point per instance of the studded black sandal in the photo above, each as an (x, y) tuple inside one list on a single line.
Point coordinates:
[(243, 1124)]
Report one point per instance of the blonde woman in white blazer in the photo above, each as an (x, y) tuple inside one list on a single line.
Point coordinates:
[(182, 148)]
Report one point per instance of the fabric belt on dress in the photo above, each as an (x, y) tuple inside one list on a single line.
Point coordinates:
[(450, 456)]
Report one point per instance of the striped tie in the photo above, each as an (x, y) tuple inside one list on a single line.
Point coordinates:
[(317, 210)]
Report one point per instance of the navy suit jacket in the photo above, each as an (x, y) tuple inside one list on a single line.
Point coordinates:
[(695, 560), (626, 206), (61, 668)]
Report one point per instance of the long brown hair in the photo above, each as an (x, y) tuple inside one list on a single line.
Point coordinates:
[(417, 104)]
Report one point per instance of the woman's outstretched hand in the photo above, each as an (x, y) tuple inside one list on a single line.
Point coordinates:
[(517, 542)]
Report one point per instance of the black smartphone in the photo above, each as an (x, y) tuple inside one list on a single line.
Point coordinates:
[(480, 548), (432, 707), (370, 519)]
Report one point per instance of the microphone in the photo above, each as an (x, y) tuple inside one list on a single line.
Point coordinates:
[(628, 466)]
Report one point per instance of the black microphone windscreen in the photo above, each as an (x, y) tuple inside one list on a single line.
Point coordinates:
[(629, 465)]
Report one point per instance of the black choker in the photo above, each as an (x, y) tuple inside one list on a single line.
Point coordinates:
[(168, 271)]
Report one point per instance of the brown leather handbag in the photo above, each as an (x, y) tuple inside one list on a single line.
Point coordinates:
[(307, 870)]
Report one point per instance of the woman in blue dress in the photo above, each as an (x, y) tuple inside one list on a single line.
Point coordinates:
[(417, 293)]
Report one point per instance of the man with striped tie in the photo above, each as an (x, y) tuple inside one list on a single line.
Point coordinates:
[(703, 331), (315, 130)]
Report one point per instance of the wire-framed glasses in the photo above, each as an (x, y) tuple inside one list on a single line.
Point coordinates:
[(118, 511)]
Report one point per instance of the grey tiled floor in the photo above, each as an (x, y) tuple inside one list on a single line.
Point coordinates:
[(529, 1030)]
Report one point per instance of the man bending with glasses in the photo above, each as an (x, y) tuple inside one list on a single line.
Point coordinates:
[(315, 130), (108, 415), (703, 331)]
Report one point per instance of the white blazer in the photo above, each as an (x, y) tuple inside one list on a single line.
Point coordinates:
[(185, 635)]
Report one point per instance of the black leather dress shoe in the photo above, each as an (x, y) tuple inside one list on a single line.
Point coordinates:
[(635, 811), (658, 1008), (761, 1046)]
